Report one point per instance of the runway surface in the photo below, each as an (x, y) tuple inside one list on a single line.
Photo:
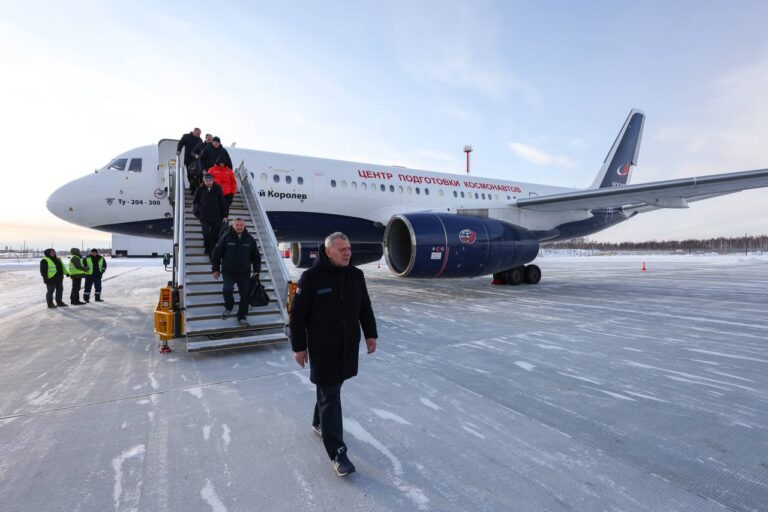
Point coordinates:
[(602, 388)]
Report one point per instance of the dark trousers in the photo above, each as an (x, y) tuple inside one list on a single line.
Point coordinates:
[(194, 177), (228, 199), (328, 416), (210, 234), (243, 286), (95, 282), (74, 295), (54, 286)]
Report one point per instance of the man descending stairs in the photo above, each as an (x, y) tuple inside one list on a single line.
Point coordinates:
[(205, 328)]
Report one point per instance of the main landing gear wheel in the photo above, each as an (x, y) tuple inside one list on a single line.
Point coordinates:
[(514, 276), (532, 274)]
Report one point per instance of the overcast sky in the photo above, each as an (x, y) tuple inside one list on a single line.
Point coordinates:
[(539, 89)]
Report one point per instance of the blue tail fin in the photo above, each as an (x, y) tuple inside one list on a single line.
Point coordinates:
[(618, 163)]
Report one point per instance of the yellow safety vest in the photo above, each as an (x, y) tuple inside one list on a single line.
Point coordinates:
[(73, 270), (89, 268), (52, 270)]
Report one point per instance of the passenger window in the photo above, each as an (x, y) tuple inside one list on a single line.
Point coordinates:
[(409, 190), (391, 188), (483, 195), (276, 178), (264, 177), (382, 188), (400, 189), (440, 192), (477, 196), (426, 191), (354, 185), (118, 164), (288, 179), (300, 180), (363, 186), (455, 194), (333, 183), (462, 193), (135, 165), (343, 184), (418, 190)]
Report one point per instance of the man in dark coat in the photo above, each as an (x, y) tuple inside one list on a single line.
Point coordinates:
[(234, 255), (195, 169), (210, 208), (330, 305), (189, 141), (95, 266), (53, 272), (214, 154)]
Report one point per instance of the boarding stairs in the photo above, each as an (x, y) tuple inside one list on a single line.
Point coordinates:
[(201, 295)]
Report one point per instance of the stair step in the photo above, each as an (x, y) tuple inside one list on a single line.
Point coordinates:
[(214, 287), (214, 312), (217, 325), (216, 299), (235, 342), (196, 278)]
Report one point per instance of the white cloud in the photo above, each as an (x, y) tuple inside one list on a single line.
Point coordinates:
[(538, 157)]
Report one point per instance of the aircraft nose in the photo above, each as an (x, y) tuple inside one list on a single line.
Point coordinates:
[(65, 203)]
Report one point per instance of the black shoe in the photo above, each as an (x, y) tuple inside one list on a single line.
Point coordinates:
[(52, 306), (341, 463), (78, 303), (99, 300), (226, 314), (316, 430), (61, 305), (243, 322)]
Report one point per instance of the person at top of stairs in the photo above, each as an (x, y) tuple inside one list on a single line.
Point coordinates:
[(210, 208), (234, 255)]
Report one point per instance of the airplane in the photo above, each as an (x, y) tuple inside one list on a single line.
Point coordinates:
[(426, 224)]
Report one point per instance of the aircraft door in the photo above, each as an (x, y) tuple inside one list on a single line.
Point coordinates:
[(166, 168)]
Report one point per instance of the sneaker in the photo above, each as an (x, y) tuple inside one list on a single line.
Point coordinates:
[(226, 314), (341, 463), (316, 430), (243, 322)]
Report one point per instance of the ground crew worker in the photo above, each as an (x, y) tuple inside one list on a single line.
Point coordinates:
[(234, 255), (210, 208), (76, 273), (95, 265), (53, 272), (330, 305)]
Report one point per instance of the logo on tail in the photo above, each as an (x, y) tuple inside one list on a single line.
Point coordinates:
[(623, 170)]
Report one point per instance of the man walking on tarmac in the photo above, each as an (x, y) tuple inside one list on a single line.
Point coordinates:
[(234, 255), (76, 273), (330, 305), (95, 265), (53, 272)]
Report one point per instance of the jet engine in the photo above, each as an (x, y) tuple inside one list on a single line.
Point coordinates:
[(445, 245), (304, 254)]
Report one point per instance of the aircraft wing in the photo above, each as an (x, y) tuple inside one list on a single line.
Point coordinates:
[(645, 196)]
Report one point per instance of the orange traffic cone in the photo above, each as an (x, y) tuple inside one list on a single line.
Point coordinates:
[(643, 269)]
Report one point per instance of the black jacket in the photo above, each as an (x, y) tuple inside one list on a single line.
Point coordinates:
[(60, 271), (198, 150), (330, 306), (236, 255), (209, 204), (212, 156), (188, 142)]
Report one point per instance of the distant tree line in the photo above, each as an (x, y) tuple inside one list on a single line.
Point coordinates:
[(720, 244)]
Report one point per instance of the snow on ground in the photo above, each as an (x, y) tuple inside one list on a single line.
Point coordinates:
[(602, 388)]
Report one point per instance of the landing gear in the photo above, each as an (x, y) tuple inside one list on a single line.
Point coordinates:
[(530, 274)]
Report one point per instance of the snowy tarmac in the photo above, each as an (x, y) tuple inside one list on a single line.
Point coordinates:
[(602, 388)]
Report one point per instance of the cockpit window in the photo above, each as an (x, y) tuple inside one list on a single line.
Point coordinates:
[(135, 165), (118, 164)]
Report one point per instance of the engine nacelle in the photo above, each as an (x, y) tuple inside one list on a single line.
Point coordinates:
[(304, 254), (445, 245)]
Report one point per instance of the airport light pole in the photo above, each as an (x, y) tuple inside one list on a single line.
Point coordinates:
[(467, 150)]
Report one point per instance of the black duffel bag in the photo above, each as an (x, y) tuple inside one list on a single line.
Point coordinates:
[(259, 297)]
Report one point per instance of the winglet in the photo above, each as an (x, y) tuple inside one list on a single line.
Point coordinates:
[(618, 163)]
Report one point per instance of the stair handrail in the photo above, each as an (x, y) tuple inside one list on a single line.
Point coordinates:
[(178, 231), (252, 202)]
